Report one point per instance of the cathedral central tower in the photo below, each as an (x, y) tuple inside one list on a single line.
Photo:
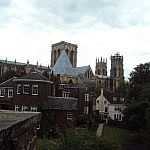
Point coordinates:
[(71, 50)]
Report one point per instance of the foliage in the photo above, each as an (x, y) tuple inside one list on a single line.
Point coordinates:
[(139, 82), (8, 74), (45, 144), (84, 140), (134, 115), (137, 112), (122, 87), (81, 139)]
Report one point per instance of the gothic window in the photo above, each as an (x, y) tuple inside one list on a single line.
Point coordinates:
[(71, 57), (54, 57), (114, 72), (58, 52), (70, 81), (67, 51)]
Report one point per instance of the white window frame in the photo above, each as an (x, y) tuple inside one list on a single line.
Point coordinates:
[(16, 108), (69, 115), (24, 108), (37, 125), (86, 110), (10, 93), (18, 88), (87, 96), (114, 98), (25, 86), (34, 89), (2, 92), (33, 109), (65, 94), (122, 99)]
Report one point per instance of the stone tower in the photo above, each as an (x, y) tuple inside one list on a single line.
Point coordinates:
[(101, 67), (71, 50), (116, 71)]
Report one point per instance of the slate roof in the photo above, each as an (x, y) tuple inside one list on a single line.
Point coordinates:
[(60, 103), (12, 62), (9, 118), (81, 70), (33, 76), (109, 96), (8, 83), (22, 64), (63, 65)]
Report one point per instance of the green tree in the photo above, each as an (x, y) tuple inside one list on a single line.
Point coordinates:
[(138, 81), (8, 74)]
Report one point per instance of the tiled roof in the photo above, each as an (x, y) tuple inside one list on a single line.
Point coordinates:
[(33, 76), (63, 65), (8, 83), (118, 96), (61, 103)]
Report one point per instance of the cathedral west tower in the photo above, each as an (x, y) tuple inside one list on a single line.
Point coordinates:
[(117, 71)]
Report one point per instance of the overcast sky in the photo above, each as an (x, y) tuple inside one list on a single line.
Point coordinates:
[(28, 28)]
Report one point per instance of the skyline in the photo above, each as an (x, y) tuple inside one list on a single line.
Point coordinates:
[(100, 28)]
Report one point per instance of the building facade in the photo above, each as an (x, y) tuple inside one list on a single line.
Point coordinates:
[(109, 106)]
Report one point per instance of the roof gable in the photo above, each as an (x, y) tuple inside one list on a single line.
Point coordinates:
[(115, 98), (8, 83), (61, 103), (63, 65), (33, 76)]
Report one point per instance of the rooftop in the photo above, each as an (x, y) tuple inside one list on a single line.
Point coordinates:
[(9, 118)]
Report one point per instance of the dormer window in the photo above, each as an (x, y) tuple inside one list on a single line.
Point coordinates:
[(114, 98), (122, 99)]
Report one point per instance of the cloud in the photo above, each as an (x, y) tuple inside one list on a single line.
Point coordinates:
[(98, 27)]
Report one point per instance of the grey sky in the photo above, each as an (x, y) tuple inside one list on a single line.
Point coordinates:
[(98, 27)]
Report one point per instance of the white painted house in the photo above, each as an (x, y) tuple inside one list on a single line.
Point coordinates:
[(109, 105)]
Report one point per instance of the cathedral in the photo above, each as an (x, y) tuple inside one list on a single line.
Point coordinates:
[(64, 62)]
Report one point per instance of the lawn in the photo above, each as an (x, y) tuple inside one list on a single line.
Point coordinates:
[(122, 136)]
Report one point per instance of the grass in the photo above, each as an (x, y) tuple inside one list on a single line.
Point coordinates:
[(45, 144), (122, 136)]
